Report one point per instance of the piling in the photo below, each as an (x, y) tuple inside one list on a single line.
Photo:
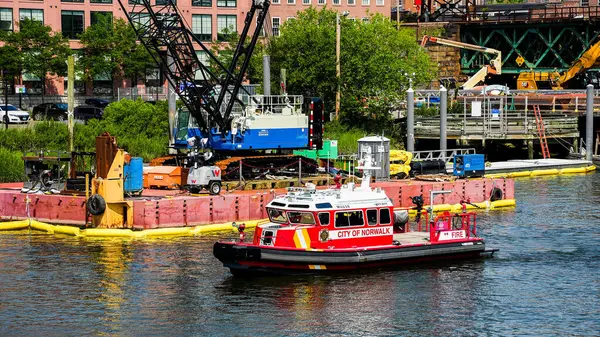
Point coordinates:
[(267, 75), (410, 120), (171, 101), (589, 122), (443, 119)]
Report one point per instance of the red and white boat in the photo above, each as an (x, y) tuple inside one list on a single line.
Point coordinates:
[(352, 227)]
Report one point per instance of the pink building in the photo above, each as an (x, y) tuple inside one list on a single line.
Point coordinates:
[(206, 18)]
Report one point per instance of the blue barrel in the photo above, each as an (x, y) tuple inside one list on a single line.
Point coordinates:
[(134, 175)]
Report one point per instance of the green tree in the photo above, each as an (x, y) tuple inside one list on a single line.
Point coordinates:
[(42, 52), (224, 53), (375, 61), (110, 49)]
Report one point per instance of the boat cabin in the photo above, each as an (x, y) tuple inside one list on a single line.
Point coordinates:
[(349, 217)]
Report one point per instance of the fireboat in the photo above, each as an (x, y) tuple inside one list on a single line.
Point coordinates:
[(347, 228)]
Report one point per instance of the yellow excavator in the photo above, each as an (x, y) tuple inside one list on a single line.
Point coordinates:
[(495, 66), (533, 80)]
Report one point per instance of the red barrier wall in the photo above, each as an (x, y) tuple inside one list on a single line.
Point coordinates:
[(192, 211)]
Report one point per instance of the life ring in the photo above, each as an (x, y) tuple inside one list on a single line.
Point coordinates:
[(496, 194), (96, 204)]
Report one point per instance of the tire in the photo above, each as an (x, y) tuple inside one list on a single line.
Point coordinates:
[(96, 204), (5, 120), (496, 194), (214, 188), (38, 116)]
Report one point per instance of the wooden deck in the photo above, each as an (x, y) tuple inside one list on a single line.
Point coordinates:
[(412, 238)]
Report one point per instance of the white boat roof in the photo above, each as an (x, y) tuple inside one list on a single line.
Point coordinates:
[(349, 196)]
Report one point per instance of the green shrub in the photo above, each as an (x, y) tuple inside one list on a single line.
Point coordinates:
[(347, 138), (12, 168)]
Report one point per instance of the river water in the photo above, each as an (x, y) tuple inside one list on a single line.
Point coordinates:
[(545, 281)]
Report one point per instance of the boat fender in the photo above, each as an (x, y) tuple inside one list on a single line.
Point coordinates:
[(496, 194), (324, 235), (96, 204)]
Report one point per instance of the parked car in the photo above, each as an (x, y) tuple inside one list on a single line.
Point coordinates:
[(87, 112), (56, 111), (97, 102), (15, 115)]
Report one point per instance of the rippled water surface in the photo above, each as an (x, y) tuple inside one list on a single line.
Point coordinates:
[(545, 281)]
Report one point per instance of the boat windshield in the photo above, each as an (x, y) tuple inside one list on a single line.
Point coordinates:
[(303, 218), (277, 215)]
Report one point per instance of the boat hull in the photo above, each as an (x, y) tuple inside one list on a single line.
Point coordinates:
[(240, 258)]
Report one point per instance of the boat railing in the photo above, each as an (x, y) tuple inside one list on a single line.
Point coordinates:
[(447, 222)]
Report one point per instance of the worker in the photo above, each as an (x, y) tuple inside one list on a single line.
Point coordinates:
[(338, 180)]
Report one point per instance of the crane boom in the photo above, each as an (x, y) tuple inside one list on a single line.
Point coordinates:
[(162, 30), (495, 66), (583, 63)]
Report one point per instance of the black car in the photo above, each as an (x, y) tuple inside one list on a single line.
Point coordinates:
[(56, 111), (87, 112), (97, 102)]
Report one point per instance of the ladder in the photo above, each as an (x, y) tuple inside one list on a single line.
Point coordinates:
[(541, 131)]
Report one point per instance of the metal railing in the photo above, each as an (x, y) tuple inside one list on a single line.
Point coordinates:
[(445, 155), (548, 13)]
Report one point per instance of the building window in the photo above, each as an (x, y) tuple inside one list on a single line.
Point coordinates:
[(204, 59), (290, 18), (71, 0), (336, 2), (379, 2), (365, 19), (140, 19), (6, 20), (202, 26), (276, 2), (226, 3), (153, 80), (33, 14), (584, 3), (135, 2), (202, 3), (275, 23), (226, 26), (351, 2), (101, 1), (72, 23), (95, 17), (321, 2), (306, 2), (291, 2), (164, 2), (366, 2)]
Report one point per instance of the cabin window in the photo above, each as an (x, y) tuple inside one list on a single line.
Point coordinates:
[(384, 216), (277, 215), (349, 219), (303, 218), (324, 219), (372, 217)]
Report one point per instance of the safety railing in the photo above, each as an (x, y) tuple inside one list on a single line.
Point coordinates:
[(548, 13), (445, 155)]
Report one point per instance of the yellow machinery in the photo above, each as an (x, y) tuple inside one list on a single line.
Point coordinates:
[(545, 80), (495, 66), (107, 204), (400, 163)]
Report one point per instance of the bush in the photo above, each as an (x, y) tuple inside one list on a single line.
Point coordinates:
[(12, 168), (347, 138)]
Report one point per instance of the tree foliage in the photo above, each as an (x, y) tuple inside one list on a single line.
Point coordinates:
[(110, 49), (376, 62), (35, 49), (224, 53)]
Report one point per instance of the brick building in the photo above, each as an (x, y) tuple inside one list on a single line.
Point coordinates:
[(207, 18)]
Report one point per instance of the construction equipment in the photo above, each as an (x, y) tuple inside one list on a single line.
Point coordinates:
[(495, 66), (533, 80), (541, 131), (226, 120), (107, 204)]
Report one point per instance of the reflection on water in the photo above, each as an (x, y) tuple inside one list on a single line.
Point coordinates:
[(544, 282)]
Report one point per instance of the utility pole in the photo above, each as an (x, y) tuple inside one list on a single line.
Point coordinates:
[(337, 64), (71, 98)]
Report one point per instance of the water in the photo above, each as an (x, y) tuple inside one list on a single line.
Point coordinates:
[(545, 281)]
